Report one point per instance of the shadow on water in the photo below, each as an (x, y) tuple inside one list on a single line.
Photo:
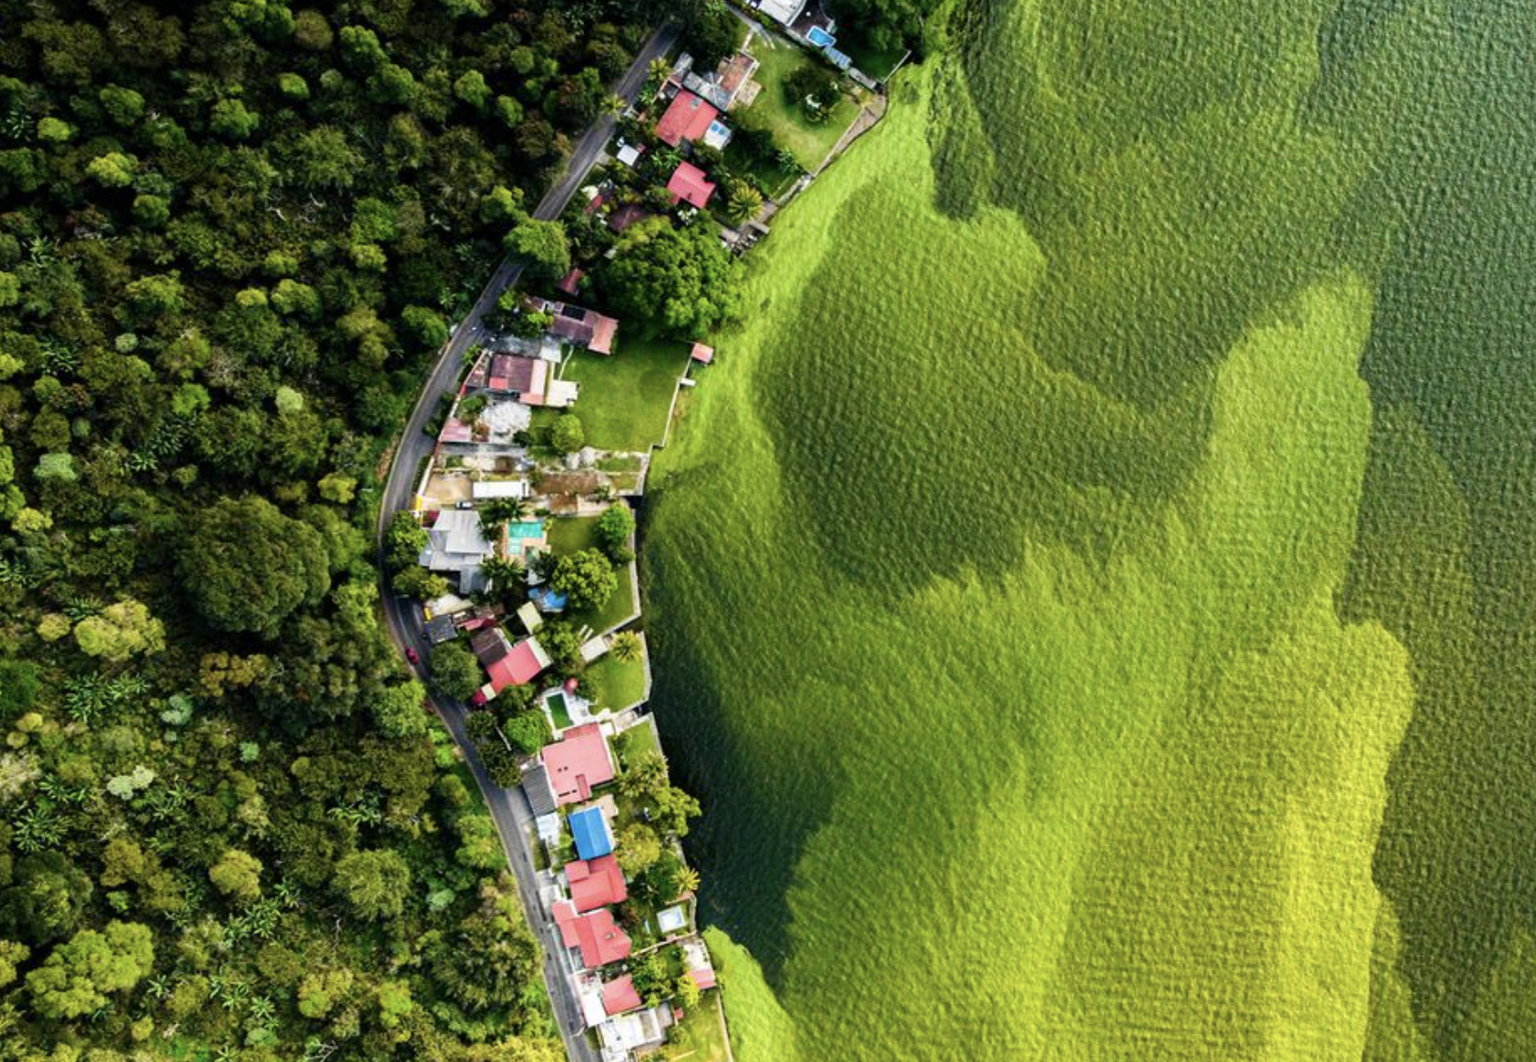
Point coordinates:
[(1446, 557), (747, 849)]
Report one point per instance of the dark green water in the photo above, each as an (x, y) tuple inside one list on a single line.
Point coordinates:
[(1409, 155), (1446, 556)]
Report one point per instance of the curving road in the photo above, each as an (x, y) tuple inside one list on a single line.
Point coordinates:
[(508, 807)]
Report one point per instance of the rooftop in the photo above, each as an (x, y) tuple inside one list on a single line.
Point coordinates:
[(517, 375), (597, 935), (690, 185), (522, 665), (541, 798), (578, 763), (687, 118), (702, 354), (454, 541), (596, 883), (590, 831), (620, 995)]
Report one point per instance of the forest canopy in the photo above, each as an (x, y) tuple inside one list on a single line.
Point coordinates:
[(232, 236)]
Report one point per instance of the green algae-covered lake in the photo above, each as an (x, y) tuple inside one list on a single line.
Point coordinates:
[(1093, 592)]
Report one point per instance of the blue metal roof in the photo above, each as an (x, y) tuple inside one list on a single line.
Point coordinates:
[(590, 831)]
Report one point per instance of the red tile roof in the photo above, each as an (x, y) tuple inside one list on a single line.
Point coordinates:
[(597, 935), (586, 327), (620, 995), (702, 354), (704, 978), (577, 763), (596, 883), (521, 665), (519, 375), (686, 119), (690, 185), (569, 281)]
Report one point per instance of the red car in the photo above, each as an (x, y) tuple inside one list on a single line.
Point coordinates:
[(413, 656)]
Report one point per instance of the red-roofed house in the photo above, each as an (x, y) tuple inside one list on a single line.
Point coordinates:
[(521, 664), (596, 883), (570, 280), (518, 376), (703, 978), (690, 185), (687, 118), (702, 354), (578, 763), (620, 995), (585, 327), (597, 935)]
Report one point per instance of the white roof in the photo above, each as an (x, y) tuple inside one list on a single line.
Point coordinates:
[(717, 135), (529, 615), (638, 1028), (561, 393), (499, 488), (785, 11), (672, 919), (590, 994), (593, 648), (455, 541), (629, 154)]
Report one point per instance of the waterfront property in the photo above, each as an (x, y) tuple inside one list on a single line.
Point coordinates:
[(578, 763)]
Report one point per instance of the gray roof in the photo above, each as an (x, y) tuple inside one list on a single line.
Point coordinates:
[(441, 629), (541, 795)]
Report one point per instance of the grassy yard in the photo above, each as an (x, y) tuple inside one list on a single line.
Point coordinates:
[(774, 179), (617, 685), (636, 741), (702, 1032), (570, 534), (808, 141), (625, 398)]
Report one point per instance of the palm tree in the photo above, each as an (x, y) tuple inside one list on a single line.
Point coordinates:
[(658, 70), (503, 572), (625, 647), (685, 880), (647, 772), (743, 203), (500, 511)]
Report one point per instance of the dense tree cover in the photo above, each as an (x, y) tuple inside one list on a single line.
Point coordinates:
[(889, 25), (678, 279), (586, 577), (231, 235)]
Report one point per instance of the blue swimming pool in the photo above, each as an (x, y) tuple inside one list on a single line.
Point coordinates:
[(526, 529), (820, 37)]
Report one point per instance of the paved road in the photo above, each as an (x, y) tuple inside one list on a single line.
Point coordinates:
[(508, 807)]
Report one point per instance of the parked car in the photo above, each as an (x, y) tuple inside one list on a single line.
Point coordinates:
[(465, 505), (412, 655)]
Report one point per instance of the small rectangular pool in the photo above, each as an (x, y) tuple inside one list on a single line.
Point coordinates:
[(820, 37), (558, 711)]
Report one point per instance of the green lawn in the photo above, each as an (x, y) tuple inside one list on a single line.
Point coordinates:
[(774, 179), (617, 685), (625, 397), (636, 741), (808, 141), (568, 534), (702, 1033)]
